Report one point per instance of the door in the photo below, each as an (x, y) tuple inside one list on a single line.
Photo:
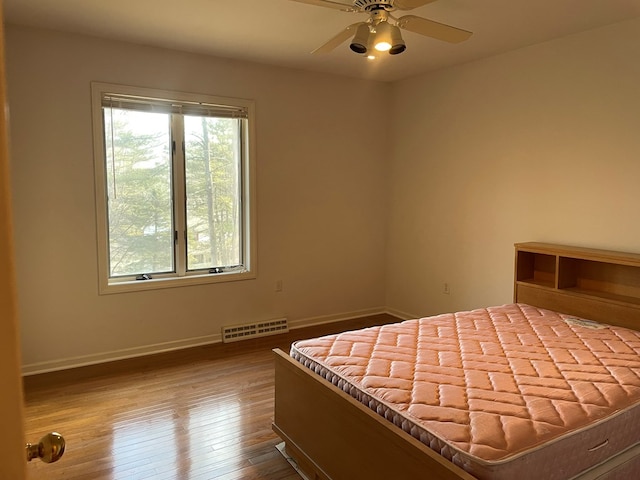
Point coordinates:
[(12, 441)]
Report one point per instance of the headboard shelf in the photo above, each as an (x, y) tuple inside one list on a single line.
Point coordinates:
[(579, 281), (621, 299)]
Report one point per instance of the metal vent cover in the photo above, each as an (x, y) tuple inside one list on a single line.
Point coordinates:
[(234, 333), (367, 4)]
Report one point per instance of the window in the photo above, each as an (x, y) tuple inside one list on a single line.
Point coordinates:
[(174, 176)]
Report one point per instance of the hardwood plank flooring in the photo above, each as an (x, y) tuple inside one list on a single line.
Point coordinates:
[(196, 414)]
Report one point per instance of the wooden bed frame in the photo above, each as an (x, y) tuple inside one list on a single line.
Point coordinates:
[(332, 436)]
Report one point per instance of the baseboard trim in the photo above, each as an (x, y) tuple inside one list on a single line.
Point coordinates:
[(401, 315), (86, 360), (324, 319)]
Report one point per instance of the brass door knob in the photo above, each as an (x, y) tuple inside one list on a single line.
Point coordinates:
[(49, 449)]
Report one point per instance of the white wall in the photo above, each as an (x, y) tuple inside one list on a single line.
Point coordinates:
[(540, 144), (321, 209)]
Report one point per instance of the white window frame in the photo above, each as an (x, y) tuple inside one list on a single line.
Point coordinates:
[(248, 269)]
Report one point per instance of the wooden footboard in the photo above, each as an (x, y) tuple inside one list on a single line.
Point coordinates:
[(334, 437)]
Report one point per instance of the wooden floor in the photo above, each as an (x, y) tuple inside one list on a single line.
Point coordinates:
[(201, 413)]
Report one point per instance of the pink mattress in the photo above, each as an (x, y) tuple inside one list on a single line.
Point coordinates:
[(504, 392)]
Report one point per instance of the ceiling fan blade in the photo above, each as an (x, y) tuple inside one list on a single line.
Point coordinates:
[(410, 4), (338, 39), (433, 29), (329, 4)]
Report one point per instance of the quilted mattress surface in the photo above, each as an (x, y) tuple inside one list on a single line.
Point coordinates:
[(504, 392)]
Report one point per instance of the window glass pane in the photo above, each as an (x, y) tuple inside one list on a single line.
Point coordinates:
[(138, 168), (212, 151)]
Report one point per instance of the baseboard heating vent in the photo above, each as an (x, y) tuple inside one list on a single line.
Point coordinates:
[(233, 333)]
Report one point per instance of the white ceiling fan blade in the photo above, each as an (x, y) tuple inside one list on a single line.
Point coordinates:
[(410, 4), (433, 29), (338, 39), (329, 4)]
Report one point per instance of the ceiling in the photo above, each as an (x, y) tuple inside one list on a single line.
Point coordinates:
[(284, 32)]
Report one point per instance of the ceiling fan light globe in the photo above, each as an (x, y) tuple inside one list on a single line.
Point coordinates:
[(360, 41), (384, 36), (397, 43)]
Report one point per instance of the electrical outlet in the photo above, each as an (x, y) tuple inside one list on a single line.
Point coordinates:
[(445, 288)]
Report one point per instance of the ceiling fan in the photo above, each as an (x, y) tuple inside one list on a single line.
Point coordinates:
[(381, 31)]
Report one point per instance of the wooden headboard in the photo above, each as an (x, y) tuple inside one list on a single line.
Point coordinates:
[(599, 285)]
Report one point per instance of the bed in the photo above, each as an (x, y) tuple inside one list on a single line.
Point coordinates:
[(339, 424)]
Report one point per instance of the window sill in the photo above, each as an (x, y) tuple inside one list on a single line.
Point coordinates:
[(107, 288)]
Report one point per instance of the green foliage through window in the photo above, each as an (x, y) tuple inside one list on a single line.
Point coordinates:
[(213, 209), (139, 186)]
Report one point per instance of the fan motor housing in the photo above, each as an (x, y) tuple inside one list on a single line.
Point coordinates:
[(367, 5)]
